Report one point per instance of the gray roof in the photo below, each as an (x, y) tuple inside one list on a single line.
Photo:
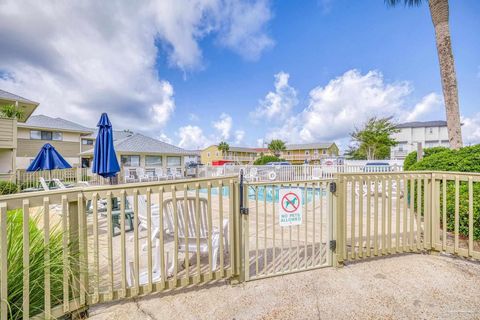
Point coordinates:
[(423, 124), (42, 121), (10, 96), (117, 134), (138, 143), (316, 145)]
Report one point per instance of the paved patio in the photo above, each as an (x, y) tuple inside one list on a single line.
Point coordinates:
[(399, 287)]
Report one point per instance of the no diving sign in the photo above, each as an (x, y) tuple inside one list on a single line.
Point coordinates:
[(290, 207)]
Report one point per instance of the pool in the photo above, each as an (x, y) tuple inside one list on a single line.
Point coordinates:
[(269, 194)]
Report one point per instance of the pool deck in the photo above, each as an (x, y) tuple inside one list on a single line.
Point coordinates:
[(409, 286)]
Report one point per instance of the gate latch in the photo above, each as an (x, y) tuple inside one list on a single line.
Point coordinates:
[(333, 187), (244, 210), (333, 245)]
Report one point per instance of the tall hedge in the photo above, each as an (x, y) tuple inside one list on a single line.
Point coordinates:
[(466, 159), (411, 158)]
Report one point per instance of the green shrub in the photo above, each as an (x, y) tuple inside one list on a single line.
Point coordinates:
[(462, 209), (466, 159), (266, 159), (7, 187), (411, 158), (37, 252)]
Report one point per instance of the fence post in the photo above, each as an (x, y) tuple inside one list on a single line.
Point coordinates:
[(337, 212), (77, 231)]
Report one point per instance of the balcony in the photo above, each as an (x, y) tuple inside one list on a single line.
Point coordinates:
[(239, 158), (398, 154), (303, 157), (8, 133)]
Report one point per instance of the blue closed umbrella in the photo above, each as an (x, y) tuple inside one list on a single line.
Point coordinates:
[(48, 159), (105, 161)]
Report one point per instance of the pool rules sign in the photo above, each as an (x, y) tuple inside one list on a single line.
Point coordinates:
[(290, 207)]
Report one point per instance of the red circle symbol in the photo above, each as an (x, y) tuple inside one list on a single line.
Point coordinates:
[(290, 202)]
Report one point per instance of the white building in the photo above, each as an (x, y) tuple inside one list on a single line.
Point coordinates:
[(428, 133)]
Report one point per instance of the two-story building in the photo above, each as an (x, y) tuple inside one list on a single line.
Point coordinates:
[(428, 133), (241, 155), (66, 136), (8, 132), (309, 152), (294, 153)]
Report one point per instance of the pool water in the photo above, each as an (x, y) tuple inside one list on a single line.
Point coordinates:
[(270, 194)]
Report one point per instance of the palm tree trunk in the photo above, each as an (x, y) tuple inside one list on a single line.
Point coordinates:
[(439, 12)]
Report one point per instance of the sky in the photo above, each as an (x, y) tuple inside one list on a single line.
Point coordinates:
[(197, 72)]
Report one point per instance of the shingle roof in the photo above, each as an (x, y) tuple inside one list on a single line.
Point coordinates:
[(10, 96), (423, 124), (42, 121), (316, 145), (138, 143)]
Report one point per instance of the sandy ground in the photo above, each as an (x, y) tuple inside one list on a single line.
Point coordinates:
[(400, 287)]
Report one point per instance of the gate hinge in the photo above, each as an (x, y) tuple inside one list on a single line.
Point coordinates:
[(244, 210), (333, 245), (333, 187)]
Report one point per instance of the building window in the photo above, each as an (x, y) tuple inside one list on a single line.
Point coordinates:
[(87, 142), (208, 154), (45, 135), (315, 152), (288, 153), (130, 161), (174, 161), (324, 151), (307, 152), (216, 154), (153, 161), (35, 135), (431, 130), (57, 136)]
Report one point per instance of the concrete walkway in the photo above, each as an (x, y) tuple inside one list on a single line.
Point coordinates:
[(401, 287)]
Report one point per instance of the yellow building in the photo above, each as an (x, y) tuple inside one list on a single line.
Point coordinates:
[(239, 155), (294, 153), (310, 152)]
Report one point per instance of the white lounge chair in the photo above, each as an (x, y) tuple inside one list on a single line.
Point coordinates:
[(44, 184), (168, 206)]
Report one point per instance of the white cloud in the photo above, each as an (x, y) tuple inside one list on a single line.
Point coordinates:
[(163, 137), (430, 103), (471, 129), (348, 101), (79, 59), (192, 137), (278, 104), (246, 33), (239, 135), (223, 126)]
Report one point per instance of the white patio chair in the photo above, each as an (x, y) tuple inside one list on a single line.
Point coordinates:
[(129, 175), (143, 276), (160, 174), (142, 176), (192, 222), (252, 174)]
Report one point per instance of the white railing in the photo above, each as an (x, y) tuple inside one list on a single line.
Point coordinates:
[(291, 172)]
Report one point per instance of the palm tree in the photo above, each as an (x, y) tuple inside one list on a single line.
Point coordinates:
[(276, 146), (440, 15), (11, 112), (224, 147)]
